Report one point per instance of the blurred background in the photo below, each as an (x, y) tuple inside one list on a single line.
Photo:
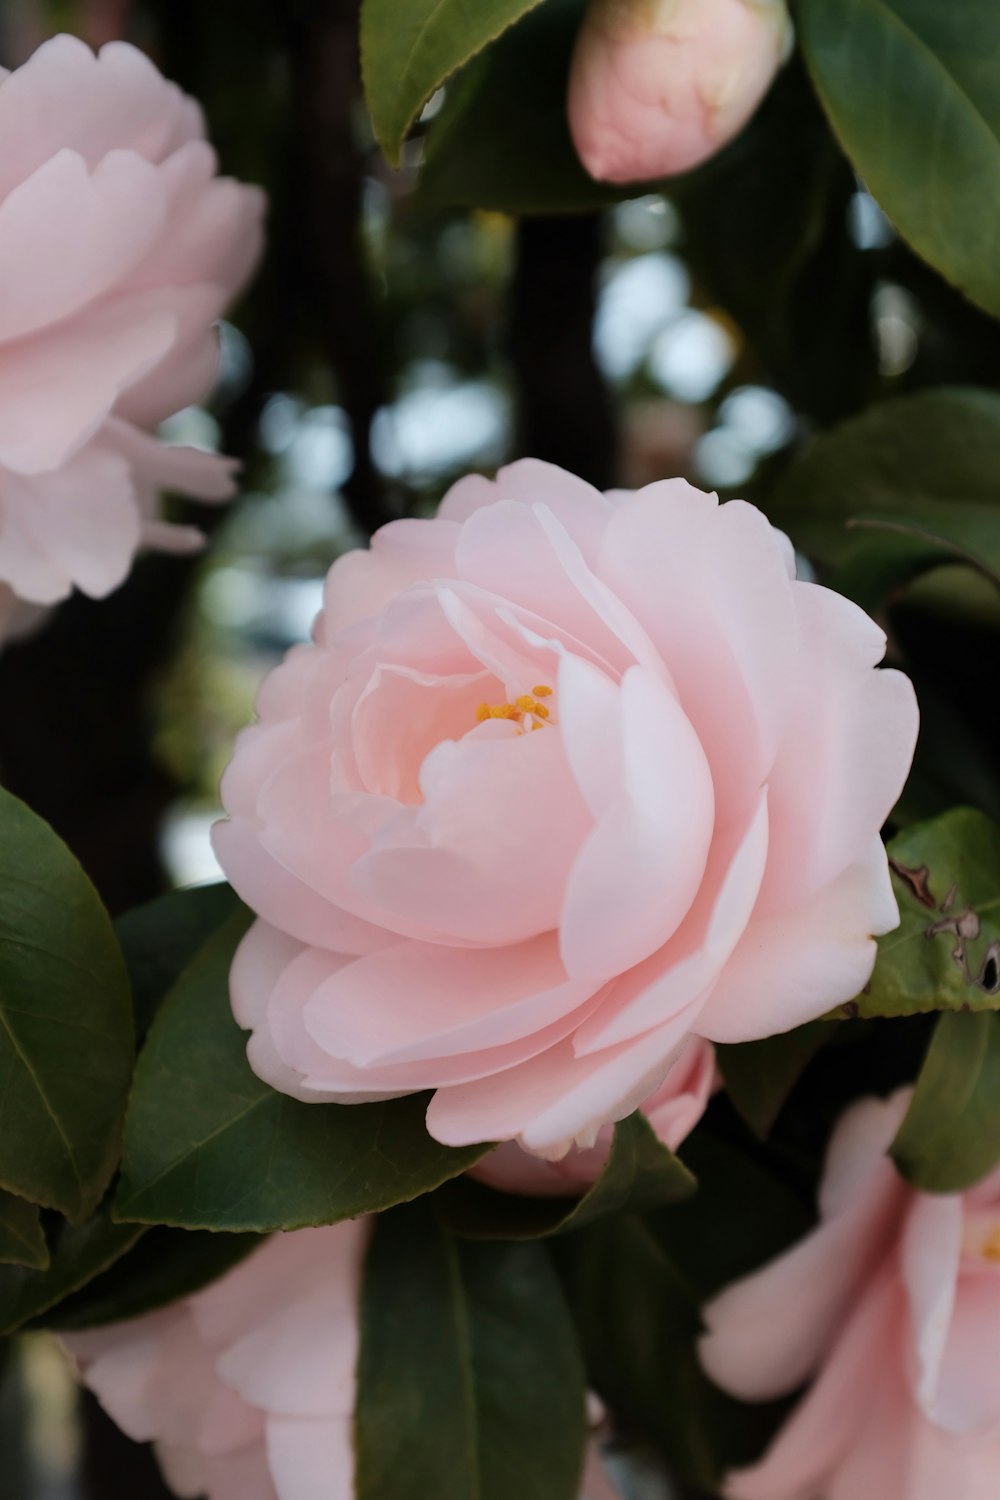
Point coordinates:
[(396, 338)]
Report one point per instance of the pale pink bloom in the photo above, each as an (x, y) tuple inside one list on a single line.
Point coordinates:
[(892, 1307), (119, 249), (673, 1112), (248, 1388), (563, 778), (658, 86)]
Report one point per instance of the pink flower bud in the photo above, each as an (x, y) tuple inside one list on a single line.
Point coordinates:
[(658, 86)]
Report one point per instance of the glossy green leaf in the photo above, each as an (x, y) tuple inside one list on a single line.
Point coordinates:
[(641, 1173), (22, 1239), (759, 1076), (409, 48), (163, 1266), (78, 1254), (945, 953), (160, 938), (906, 486), (910, 87), (470, 1381), (209, 1146), (66, 1045), (950, 1137)]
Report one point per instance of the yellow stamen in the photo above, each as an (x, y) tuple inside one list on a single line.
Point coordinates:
[(991, 1245), (524, 709)]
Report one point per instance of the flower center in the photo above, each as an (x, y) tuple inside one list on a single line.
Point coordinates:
[(981, 1236), (527, 711)]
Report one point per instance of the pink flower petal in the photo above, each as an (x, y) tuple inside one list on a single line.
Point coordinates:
[(753, 1349), (788, 970), (65, 381), (323, 1073), (956, 1328), (814, 1443), (486, 857), (688, 965), (710, 586), (419, 1001), (556, 1098), (311, 1458), (930, 1257), (111, 218), (852, 732), (639, 871)]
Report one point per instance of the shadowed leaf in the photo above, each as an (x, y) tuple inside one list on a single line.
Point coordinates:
[(209, 1146), (66, 1045)]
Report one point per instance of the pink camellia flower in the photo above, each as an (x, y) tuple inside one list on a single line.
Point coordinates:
[(248, 1388), (892, 1305), (673, 1112), (119, 250), (562, 779), (658, 86)]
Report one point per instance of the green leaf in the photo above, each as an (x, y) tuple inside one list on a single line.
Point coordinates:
[(484, 151), (637, 1323), (906, 486), (66, 1046), (910, 87), (741, 1216), (759, 1076), (469, 1379), (209, 1146), (641, 1173), (635, 1286), (22, 1239), (799, 289), (945, 953), (163, 1266), (950, 1137), (78, 1254), (409, 48), (160, 938)]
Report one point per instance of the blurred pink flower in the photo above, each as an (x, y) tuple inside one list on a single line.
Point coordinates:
[(658, 86), (248, 1388), (673, 1112), (892, 1307), (563, 778), (119, 250)]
